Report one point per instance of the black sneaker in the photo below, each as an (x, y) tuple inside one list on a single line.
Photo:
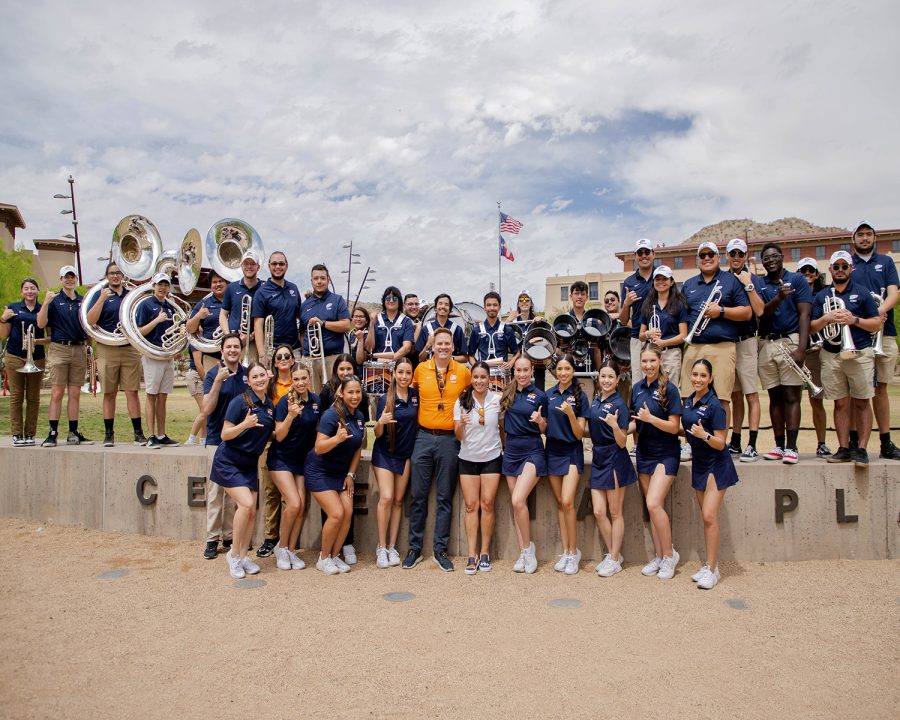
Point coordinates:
[(211, 551), (443, 562), (166, 440), (50, 440), (76, 438), (890, 452), (413, 558), (841, 456), (153, 443), (735, 450), (19, 441), (822, 450), (140, 439), (29, 440), (267, 548), (484, 564), (861, 457), (109, 440), (226, 543)]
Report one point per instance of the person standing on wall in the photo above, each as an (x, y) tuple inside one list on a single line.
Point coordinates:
[(809, 268), (492, 341), (328, 310)]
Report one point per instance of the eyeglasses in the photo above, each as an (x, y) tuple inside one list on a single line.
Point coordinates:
[(643, 251), (115, 273), (282, 356), (707, 255), (277, 263), (843, 267), (735, 253)]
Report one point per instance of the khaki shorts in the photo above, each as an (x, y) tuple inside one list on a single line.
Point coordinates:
[(159, 376), (193, 383), (722, 358), (671, 362), (774, 370), (636, 372), (745, 366), (885, 366), (119, 367), (67, 364), (848, 377)]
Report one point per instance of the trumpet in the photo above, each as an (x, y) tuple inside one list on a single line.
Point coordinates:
[(653, 324), (244, 328), (801, 370), (834, 331), (702, 321), (316, 346), (28, 346), (878, 337)]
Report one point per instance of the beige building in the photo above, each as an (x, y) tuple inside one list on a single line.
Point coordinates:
[(49, 257), (10, 220)]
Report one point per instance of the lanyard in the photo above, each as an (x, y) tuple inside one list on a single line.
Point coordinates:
[(441, 382)]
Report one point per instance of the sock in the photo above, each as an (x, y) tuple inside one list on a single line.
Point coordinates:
[(54, 427), (191, 439), (136, 424), (73, 426), (854, 439), (108, 424), (779, 441), (735, 439), (753, 436), (885, 440), (792, 439)]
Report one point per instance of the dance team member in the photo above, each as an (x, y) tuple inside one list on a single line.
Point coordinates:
[(395, 438), (329, 310), (443, 306), (656, 408), (248, 424), (809, 268), (492, 340), (24, 388), (611, 468), (296, 418), (331, 470), (249, 284), (524, 314), (712, 469), (665, 301), (635, 289), (567, 411), (476, 423), (524, 417)]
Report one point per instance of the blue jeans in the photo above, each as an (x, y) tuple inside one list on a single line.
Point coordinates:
[(437, 455)]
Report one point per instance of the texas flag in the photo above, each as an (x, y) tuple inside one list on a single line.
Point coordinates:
[(505, 251)]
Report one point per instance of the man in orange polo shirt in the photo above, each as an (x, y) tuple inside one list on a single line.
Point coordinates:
[(440, 380)]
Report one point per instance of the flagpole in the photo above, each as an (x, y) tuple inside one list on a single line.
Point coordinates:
[(499, 256)]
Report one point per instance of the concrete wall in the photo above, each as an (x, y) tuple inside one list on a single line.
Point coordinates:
[(97, 488)]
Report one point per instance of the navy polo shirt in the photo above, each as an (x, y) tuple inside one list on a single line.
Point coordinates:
[(876, 274), (859, 302), (29, 317), (231, 302), (746, 328), (517, 419), (708, 411), (301, 435), (336, 462), (653, 441), (601, 433), (326, 400), (62, 316), (558, 425), (786, 318), (400, 329), (109, 315), (459, 337), (211, 322), (252, 440), (329, 307), (148, 310), (407, 416), (283, 303), (642, 287), (668, 323), (719, 329), (484, 336), (231, 388)]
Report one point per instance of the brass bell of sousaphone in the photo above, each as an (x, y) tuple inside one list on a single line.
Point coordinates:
[(136, 246), (190, 259), (226, 242)]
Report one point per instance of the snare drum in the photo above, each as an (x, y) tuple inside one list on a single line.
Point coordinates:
[(377, 376), (499, 378)]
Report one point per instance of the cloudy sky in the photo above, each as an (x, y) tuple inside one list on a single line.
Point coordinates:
[(400, 125)]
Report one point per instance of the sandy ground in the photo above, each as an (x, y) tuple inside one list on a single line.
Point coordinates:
[(173, 636)]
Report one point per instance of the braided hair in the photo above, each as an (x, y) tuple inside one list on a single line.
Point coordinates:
[(663, 379)]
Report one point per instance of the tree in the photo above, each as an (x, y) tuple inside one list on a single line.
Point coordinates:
[(15, 266)]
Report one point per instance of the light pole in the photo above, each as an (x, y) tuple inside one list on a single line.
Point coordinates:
[(350, 263), (71, 196)]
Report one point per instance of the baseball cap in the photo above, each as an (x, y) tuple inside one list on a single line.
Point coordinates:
[(841, 255), (66, 269), (161, 277), (663, 270), (708, 245), (807, 262), (861, 224), (643, 244), (250, 255), (736, 244), (525, 293)]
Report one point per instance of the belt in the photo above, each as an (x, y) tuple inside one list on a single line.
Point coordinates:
[(711, 342), (776, 336), (436, 432), (67, 342)]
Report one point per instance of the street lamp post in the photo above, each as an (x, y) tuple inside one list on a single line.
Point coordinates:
[(350, 263), (71, 196)]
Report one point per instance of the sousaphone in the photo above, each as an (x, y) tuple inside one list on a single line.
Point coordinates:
[(226, 242)]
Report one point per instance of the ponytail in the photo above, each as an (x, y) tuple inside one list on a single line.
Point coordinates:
[(339, 407)]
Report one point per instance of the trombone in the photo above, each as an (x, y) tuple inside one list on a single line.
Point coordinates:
[(268, 342), (702, 321), (316, 346), (244, 328)]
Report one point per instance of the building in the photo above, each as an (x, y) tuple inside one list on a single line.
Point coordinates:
[(10, 220), (49, 257)]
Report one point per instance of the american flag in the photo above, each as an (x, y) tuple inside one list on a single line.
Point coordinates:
[(509, 224), (505, 251)]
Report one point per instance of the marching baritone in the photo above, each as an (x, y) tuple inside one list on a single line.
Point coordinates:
[(328, 310), (635, 290), (233, 301)]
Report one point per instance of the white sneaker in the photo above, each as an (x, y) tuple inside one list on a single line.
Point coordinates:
[(282, 559), (520, 563), (381, 557), (698, 576), (531, 563), (296, 562), (250, 567), (341, 566), (349, 555), (685, 452), (326, 565), (574, 563), (561, 563), (612, 567), (393, 557), (652, 567), (190, 441), (710, 580), (667, 566), (235, 567)]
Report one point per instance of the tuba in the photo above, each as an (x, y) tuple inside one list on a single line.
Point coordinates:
[(188, 262), (202, 344), (226, 242), (28, 346), (174, 339)]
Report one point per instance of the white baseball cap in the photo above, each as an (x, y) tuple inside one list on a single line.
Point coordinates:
[(663, 270), (643, 244), (161, 277), (525, 293), (708, 245), (863, 223), (736, 244), (841, 255), (250, 255), (807, 262), (66, 269)]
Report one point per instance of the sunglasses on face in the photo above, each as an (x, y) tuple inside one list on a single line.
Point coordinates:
[(524, 298), (707, 255), (391, 298), (809, 271), (609, 300), (735, 253), (282, 356), (641, 253), (843, 267), (277, 263)]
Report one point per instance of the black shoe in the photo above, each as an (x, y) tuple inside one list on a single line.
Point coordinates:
[(211, 550), (267, 548), (861, 457), (227, 544), (109, 440), (50, 441), (890, 452), (19, 441), (166, 440), (822, 450), (76, 438), (413, 558), (841, 456), (735, 449), (443, 562), (153, 443), (140, 439), (29, 440)]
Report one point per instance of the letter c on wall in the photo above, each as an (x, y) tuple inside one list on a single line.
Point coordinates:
[(140, 487)]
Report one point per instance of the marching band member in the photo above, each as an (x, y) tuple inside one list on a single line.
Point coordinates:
[(435, 456), (443, 306), (524, 313), (411, 308), (331, 470), (635, 290), (656, 407), (154, 317), (249, 284), (205, 314), (809, 268), (612, 306), (119, 366), (746, 357), (878, 274), (567, 412), (395, 437), (712, 469), (667, 304), (296, 417), (391, 333), (329, 310), (611, 468), (221, 385), (578, 295), (492, 341), (848, 379), (785, 321), (247, 427), (476, 423), (67, 360), (24, 388), (524, 416), (279, 298), (356, 338)]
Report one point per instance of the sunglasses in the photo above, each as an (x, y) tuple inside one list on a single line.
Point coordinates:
[(481, 416), (609, 300), (643, 252), (736, 253), (391, 298), (707, 255), (277, 263), (809, 271), (843, 267), (282, 356)]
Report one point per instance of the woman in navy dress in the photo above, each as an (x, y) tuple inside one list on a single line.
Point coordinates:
[(331, 470), (712, 468), (395, 436), (611, 468), (248, 425), (656, 408), (296, 418), (524, 409), (567, 412)]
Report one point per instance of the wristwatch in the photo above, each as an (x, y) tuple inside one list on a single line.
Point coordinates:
[(708, 437), (750, 287), (352, 476), (721, 311)]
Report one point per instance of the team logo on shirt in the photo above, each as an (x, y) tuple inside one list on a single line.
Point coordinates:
[(878, 268), (453, 378), (655, 395), (328, 306), (414, 402), (531, 397), (315, 407), (359, 424), (853, 298), (571, 401), (291, 292)]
